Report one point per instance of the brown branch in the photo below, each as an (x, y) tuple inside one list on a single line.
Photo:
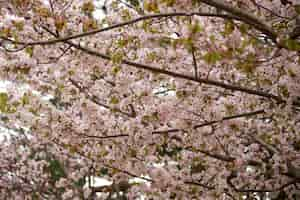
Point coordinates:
[(102, 137), (212, 155), (244, 16), (95, 100), (166, 72), (166, 131), (200, 184), (234, 175), (248, 114), (272, 150), (182, 76), (224, 158), (270, 11), (195, 62), (130, 22)]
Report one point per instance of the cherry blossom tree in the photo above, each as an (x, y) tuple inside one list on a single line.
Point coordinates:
[(198, 99)]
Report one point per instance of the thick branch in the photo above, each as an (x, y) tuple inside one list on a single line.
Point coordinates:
[(244, 16), (119, 25), (182, 76)]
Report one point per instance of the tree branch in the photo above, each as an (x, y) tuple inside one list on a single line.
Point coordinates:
[(234, 175), (119, 25), (182, 76), (248, 114), (95, 100), (243, 16), (195, 62)]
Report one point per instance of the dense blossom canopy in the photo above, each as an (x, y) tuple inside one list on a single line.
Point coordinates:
[(198, 99)]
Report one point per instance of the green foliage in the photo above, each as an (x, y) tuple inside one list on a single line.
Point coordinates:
[(25, 99), (151, 6), (169, 2), (292, 45), (283, 90), (80, 183), (56, 170), (103, 171), (29, 51), (122, 43), (188, 44), (88, 7), (114, 100), (297, 8), (3, 102), (212, 57), (117, 57), (147, 119), (22, 70), (181, 94), (164, 150), (297, 145), (164, 42), (195, 28), (229, 28), (197, 166), (244, 28), (135, 3), (19, 25), (246, 67), (115, 70), (34, 196)]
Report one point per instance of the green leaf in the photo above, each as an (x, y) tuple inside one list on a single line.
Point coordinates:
[(181, 94), (135, 3), (292, 45), (169, 3), (19, 25), (197, 167), (297, 8), (34, 196), (114, 100), (151, 6), (188, 44), (164, 150), (103, 171), (244, 28), (3, 102), (115, 70), (56, 170), (152, 56), (284, 91), (212, 57), (88, 7), (246, 67), (296, 145), (22, 70), (122, 43), (229, 28), (195, 28), (164, 42), (117, 57), (80, 183), (25, 99)]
